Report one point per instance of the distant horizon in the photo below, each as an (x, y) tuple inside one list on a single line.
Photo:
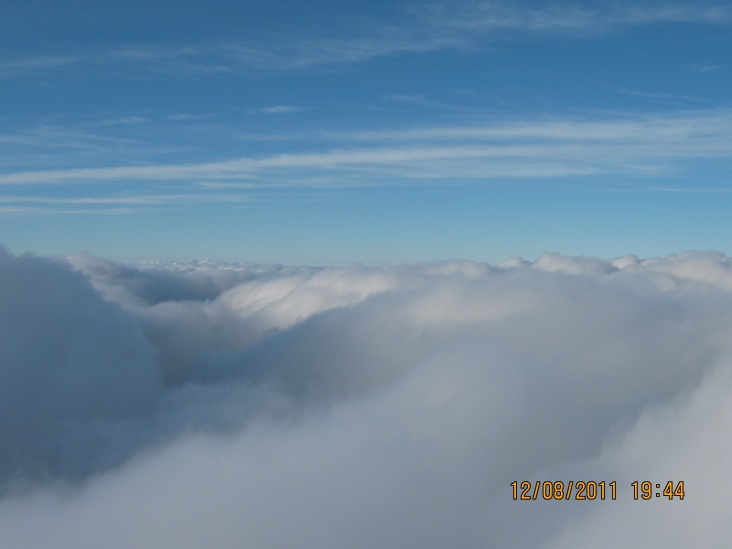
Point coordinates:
[(234, 261)]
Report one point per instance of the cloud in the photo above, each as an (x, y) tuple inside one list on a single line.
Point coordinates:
[(704, 68), (278, 109), (694, 422), (71, 362), (422, 29), (236, 404), (490, 17), (110, 205), (624, 144)]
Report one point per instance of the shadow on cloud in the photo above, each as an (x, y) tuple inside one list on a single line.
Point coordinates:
[(226, 405)]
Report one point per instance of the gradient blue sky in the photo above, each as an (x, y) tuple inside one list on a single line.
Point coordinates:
[(344, 131)]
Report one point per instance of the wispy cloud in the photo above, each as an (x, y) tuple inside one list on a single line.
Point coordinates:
[(181, 117), (57, 137), (704, 68), (43, 62), (144, 201), (278, 109), (488, 17), (125, 200), (662, 96), (429, 28), (286, 54), (125, 121), (526, 148)]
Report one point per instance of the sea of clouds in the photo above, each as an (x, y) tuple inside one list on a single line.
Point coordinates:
[(200, 404)]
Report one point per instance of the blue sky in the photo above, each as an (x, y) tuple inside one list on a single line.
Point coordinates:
[(343, 131)]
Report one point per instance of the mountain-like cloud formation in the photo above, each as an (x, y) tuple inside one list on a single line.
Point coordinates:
[(196, 405)]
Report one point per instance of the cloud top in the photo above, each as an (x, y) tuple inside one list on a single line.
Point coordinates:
[(230, 405)]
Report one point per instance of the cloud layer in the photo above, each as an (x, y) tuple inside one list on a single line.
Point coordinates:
[(200, 404)]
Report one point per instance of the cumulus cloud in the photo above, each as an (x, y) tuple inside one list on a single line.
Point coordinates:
[(229, 405)]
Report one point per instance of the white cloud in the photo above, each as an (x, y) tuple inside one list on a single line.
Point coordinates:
[(492, 17), (278, 109), (546, 148), (681, 440), (424, 28), (361, 407), (705, 68)]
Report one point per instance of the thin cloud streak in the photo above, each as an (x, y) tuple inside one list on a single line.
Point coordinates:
[(278, 109), (486, 17), (136, 200), (90, 205), (428, 29), (649, 127), (518, 149)]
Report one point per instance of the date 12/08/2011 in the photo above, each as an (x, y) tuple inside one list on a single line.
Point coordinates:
[(591, 490)]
